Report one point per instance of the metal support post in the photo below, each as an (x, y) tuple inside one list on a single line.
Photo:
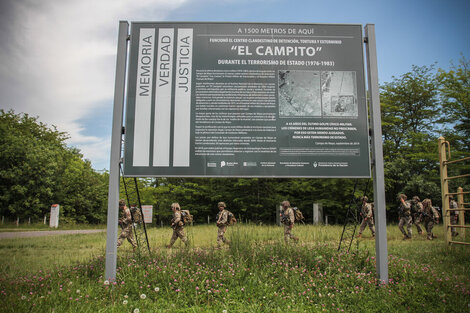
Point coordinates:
[(377, 156), (113, 191)]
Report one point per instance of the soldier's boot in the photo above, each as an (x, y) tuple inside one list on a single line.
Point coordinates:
[(359, 236), (429, 237), (296, 239)]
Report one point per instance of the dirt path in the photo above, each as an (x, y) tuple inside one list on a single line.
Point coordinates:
[(24, 234)]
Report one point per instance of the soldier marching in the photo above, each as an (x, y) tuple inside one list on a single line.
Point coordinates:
[(125, 221), (367, 217), (177, 225), (288, 219), (404, 214), (223, 221)]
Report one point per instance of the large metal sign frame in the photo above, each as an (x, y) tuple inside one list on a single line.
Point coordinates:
[(182, 161)]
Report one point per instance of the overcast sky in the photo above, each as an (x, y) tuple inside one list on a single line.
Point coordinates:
[(57, 57)]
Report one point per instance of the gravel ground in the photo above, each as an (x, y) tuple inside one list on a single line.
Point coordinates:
[(24, 234)]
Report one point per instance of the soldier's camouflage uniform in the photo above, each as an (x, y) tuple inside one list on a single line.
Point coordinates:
[(222, 223), (288, 221), (404, 212), (367, 218), (178, 230), (430, 217), (127, 232), (417, 208)]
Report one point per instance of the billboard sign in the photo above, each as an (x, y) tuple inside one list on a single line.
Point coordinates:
[(147, 210), (246, 100)]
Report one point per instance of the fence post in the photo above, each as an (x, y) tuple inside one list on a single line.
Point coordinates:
[(17, 221), (3, 220), (208, 219), (444, 188), (461, 213)]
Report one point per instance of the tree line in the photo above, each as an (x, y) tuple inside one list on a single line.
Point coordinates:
[(38, 169)]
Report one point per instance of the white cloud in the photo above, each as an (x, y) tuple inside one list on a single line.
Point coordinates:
[(58, 60)]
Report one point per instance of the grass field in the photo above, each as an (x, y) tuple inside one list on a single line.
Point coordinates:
[(257, 273)]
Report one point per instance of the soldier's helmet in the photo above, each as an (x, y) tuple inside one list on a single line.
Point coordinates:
[(427, 202), (451, 197), (402, 196), (285, 203), (221, 204), (416, 198), (122, 203), (176, 206), (364, 198)]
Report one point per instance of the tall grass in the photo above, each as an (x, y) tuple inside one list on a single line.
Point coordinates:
[(258, 272)]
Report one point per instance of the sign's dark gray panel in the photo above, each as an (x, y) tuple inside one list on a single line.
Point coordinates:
[(247, 100)]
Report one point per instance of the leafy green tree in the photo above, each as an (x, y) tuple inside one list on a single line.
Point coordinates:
[(30, 154), (37, 169), (410, 107), (455, 95), (410, 118)]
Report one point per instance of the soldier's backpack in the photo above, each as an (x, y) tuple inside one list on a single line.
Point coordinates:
[(231, 218), (186, 217), (299, 217)]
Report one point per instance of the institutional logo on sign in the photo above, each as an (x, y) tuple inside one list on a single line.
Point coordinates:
[(249, 164)]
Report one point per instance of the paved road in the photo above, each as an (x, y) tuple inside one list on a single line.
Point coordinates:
[(24, 234)]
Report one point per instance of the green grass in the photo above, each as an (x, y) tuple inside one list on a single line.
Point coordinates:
[(257, 273)]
